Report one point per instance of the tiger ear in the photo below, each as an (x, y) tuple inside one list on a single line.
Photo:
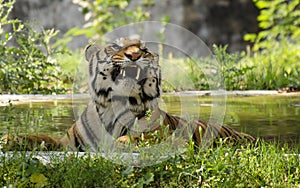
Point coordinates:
[(90, 50)]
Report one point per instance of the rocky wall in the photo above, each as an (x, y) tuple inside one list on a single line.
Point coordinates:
[(214, 21)]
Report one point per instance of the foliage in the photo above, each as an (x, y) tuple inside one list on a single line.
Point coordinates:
[(233, 72), (276, 70), (259, 165), (276, 48), (26, 57), (279, 21), (104, 16), (185, 74), (226, 72), (275, 63), (75, 67)]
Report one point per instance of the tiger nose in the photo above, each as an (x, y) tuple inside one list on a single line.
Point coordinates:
[(133, 56)]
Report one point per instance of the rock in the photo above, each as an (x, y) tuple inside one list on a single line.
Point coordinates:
[(214, 21)]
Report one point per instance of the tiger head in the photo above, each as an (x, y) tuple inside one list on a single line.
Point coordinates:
[(125, 71)]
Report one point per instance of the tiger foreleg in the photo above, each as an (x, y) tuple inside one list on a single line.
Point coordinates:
[(25, 142)]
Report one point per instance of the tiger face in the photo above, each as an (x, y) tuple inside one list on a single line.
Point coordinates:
[(124, 75), (140, 75)]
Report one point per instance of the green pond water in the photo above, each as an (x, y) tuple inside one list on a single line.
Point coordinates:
[(263, 116)]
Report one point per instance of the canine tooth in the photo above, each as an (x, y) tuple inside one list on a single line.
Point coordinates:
[(136, 122), (124, 73), (138, 71)]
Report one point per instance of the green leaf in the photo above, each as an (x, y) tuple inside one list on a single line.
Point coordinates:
[(263, 4), (250, 37), (148, 178), (38, 178), (264, 25), (263, 17), (288, 69), (165, 19)]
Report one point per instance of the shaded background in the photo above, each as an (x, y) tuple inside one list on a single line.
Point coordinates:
[(214, 21)]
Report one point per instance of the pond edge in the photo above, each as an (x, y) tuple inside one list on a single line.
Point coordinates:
[(6, 100)]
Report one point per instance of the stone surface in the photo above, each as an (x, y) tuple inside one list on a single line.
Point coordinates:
[(5, 100), (59, 14), (215, 21), (221, 21)]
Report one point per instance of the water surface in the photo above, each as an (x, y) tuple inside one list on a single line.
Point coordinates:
[(271, 116)]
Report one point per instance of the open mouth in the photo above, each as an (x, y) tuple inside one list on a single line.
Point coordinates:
[(131, 71)]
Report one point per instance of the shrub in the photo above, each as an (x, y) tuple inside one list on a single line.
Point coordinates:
[(276, 48), (104, 16), (26, 57), (200, 73), (232, 70)]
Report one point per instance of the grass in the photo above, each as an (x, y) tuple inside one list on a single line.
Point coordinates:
[(258, 165), (230, 71), (277, 69)]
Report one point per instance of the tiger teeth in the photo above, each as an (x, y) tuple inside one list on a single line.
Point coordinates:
[(124, 72), (138, 71), (136, 122)]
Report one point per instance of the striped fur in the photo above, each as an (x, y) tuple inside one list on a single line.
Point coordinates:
[(124, 84)]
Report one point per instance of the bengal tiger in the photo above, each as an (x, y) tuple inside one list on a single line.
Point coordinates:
[(124, 79)]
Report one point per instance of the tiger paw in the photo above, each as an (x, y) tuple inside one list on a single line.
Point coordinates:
[(4, 141), (127, 139)]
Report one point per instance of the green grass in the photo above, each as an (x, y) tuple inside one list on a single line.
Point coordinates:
[(259, 165), (235, 71), (277, 69)]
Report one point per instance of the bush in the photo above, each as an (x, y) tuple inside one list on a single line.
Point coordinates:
[(26, 57), (200, 73), (276, 48), (104, 16), (233, 72)]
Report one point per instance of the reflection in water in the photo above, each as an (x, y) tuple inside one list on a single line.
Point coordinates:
[(263, 116)]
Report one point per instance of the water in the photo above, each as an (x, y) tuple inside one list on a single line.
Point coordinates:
[(261, 116)]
